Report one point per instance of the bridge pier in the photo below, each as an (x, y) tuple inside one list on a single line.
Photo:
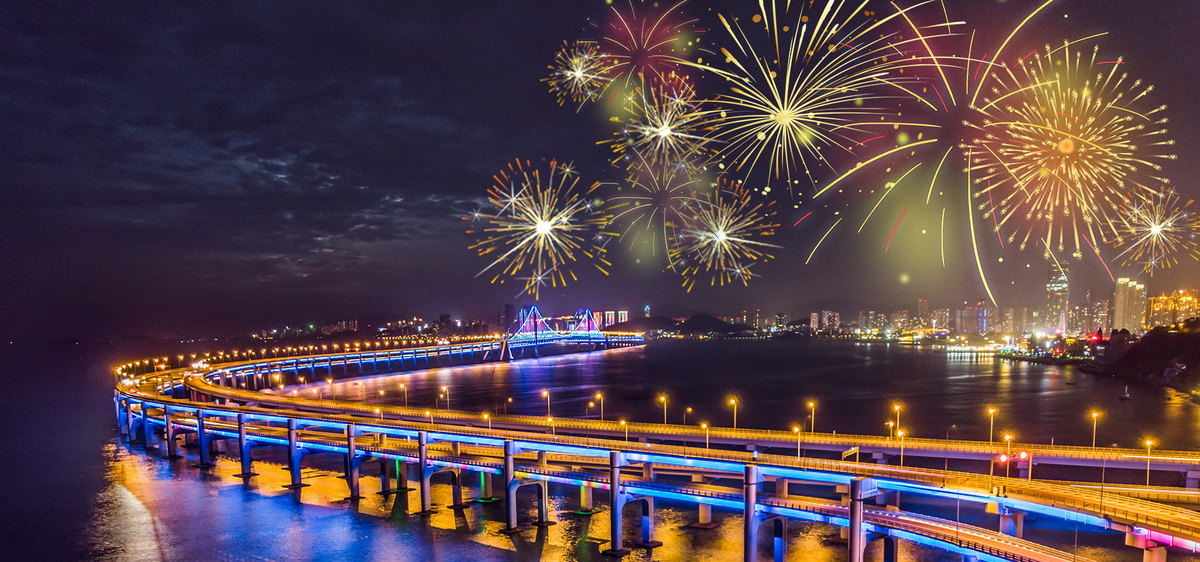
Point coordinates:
[(1151, 551), (585, 501), (648, 471), (861, 489), (204, 440), (147, 428), (705, 516), (169, 434), (541, 459), (1012, 521), (295, 453), (881, 458), (750, 482), (890, 547), (485, 489), (244, 446), (1193, 479), (781, 488), (130, 427), (353, 461), (423, 463), (616, 460)]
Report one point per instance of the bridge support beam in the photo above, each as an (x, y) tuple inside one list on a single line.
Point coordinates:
[(244, 446), (616, 460), (353, 461), (147, 428), (1193, 479), (117, 404), (1151, 551), (294, 455), (130, 432)]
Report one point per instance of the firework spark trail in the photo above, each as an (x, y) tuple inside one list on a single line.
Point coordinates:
[(819, 91), (1071, 149), (644, 48), (538, 227), (580, 73), (722, 238), (889, 242), (1159, 230)]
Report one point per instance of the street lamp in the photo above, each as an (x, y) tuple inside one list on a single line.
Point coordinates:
[(686, 411), (991, 425), (405, 389), (1008, 441), (733, 401), (796, 430), (626, 426), (430, 414), (812, 405), (663, 399), (900, 434), (489, 420), (891, 426), (947, 466), (600, 397), (446, 389), (1149, 442), (587, 409), (1095, 417), (705, 426), (506, 403), (546, 393), (897, 408), (552, 433)]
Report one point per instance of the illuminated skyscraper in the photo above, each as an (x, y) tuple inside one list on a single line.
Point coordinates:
[(1129, 306), (1058, 299)]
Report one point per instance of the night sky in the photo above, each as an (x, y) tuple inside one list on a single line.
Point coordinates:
[(220, 167)]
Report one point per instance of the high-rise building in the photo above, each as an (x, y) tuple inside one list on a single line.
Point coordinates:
[(830, 320), (1058, 299), (610, 318), (622, 316), (814, 321), (1129, 306)]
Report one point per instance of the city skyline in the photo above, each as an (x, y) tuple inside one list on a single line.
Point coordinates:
[(180, 171)]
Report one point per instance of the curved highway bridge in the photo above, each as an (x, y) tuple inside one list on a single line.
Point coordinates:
[(223, 404)]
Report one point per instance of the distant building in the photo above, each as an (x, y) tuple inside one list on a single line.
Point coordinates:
[(814, 321), (1172, 309), (1129, 306), (1058, 299), (622, 316), (610, 318), (830, 321)]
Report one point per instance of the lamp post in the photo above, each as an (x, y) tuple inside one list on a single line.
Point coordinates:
[(587, 409), (546, 393), (991, 425), (405, 389), (489, 420), (686, 411), (626, 426), (663, 399), (812, 405), (1007, 441), (891, 427), (1149, 442), (506, 403), (552, 432), (705, 426), (896, 407), (446, 389), (900, 433), (796, 430), (947, 464), (600, 397), (1095, 418), (430, 414), (733, 401)]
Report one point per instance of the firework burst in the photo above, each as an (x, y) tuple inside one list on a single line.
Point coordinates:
[(665, 128), (656, 205), (722, 238), (1158, 230), (1072, 148), (800, 85), (580, 73), (645, 47), (538, 226)]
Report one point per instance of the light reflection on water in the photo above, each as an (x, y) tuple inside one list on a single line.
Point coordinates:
[(158, 509)]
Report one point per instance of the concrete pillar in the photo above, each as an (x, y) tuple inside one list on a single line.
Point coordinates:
[(541, 459), (423, 460), (750, 520), (129, 423), (169, 434), (294, 455), (204, 440), (244, 448), (585, 500), (1193, 479), (543, 500), (1151, 551), (1023, 469), (648, 471), (861, 489), (881, 458), (485, 488), (705, 520), (455, 449), (647, 505), (385, 485), (616, 460), (146, 428), (352, 461), (120, 417)]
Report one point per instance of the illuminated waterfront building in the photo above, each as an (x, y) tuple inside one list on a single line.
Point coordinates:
[(1129, 306), (1058, 299), (1172, 309)]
